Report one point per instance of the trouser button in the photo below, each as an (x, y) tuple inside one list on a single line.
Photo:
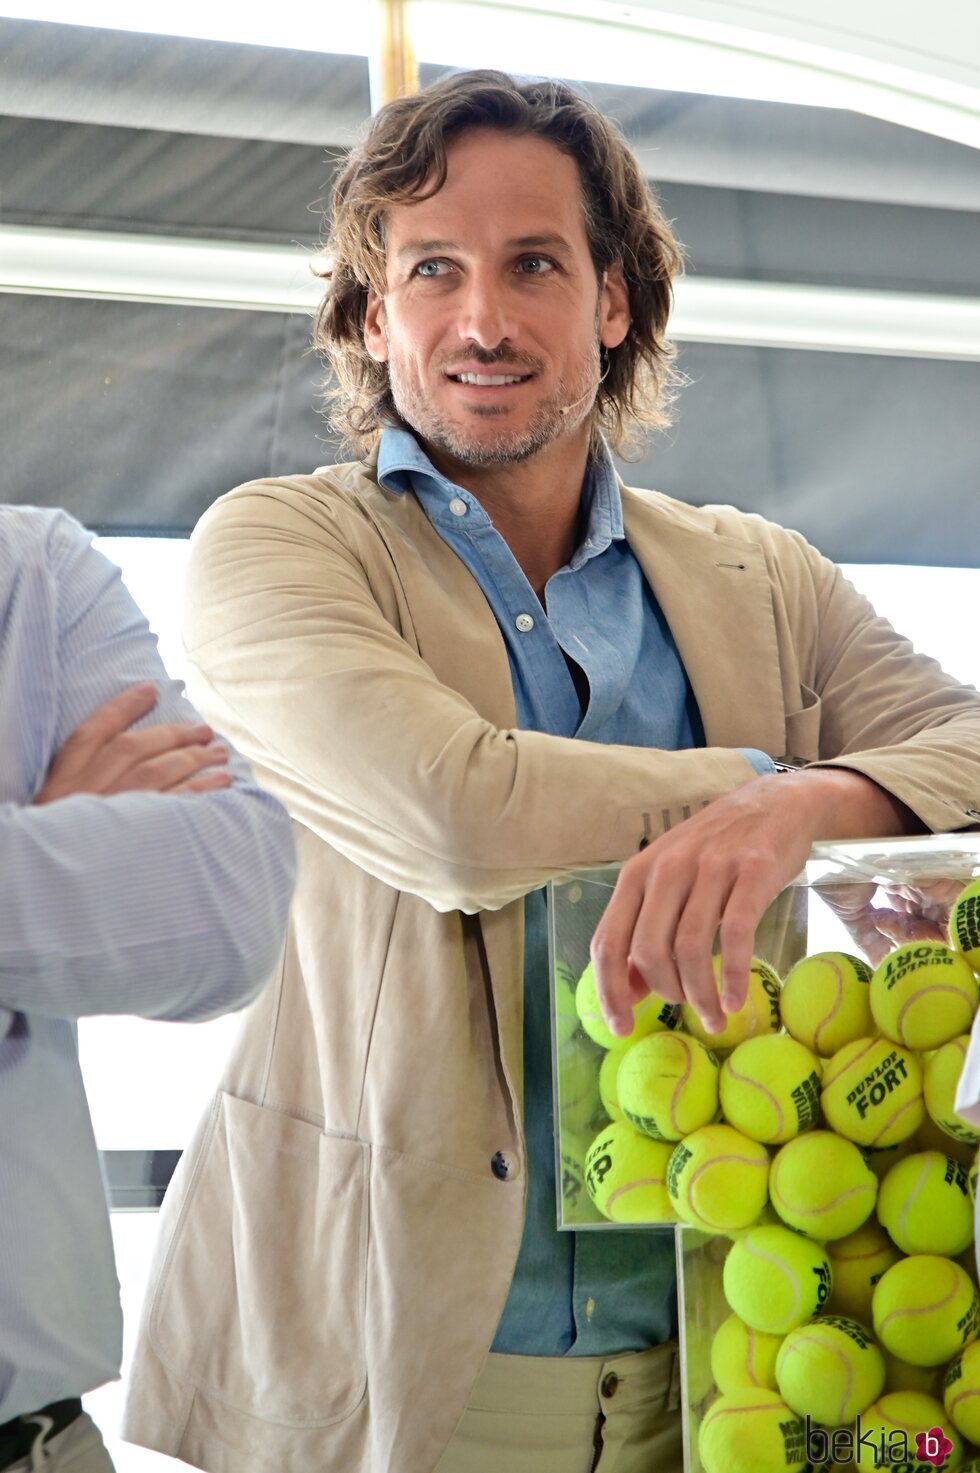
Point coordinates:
[(609, 1383)]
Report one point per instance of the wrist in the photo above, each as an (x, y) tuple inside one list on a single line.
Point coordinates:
[(845, 804)]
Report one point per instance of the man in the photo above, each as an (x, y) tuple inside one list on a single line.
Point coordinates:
[(469, 663), (143, 872)]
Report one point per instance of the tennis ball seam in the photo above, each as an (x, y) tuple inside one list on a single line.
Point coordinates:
[(869, 1044), (835, 1350), (757, 1252), (922, 1308), (757, 1084), (919, 997), (706, 1166), (824, 1207), (688, 1069), (838, 1001), (631, 1186)]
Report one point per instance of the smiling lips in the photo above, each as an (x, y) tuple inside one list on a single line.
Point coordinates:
[(489, 380)]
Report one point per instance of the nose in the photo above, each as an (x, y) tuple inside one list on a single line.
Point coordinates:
[(483, 309)]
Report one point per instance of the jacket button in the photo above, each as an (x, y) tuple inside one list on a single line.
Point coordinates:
[(609, 1384), (502, 1166)]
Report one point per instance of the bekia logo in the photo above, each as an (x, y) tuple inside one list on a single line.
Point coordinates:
[(878, 1447)]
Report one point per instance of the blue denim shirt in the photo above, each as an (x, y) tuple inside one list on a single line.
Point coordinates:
[(572, 1293)]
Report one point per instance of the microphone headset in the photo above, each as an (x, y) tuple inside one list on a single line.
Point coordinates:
[(592, 390)]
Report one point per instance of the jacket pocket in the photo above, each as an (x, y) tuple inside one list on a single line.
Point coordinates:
[(260, 1301), (803, 728)]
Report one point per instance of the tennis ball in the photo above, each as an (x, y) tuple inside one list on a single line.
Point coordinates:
[(625, 1175), (830, 1370), (929, 1137), (758, 1014), (964, 924), (578, 1082), (775, 1279), (857, 1262), (825, 1001), (925, 1309), (751, 1431), (566, 1015), (901, 1375), (939, 1080), (872, 1092), (821, 1185), (650, 1015), (770, 1088), (576, 1205), (890, 1430), (667, 1086), (742, 1357), (961, 1392), (923, 994), (717, 1179), (926, 1206), (881, 1159), (608, 1070)]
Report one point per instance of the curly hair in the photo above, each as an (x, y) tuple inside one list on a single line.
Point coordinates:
[(402, 159)]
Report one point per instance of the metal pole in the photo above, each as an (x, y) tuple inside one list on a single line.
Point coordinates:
[(392, 67)]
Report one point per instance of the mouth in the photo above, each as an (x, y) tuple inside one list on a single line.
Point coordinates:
[(489, 380)]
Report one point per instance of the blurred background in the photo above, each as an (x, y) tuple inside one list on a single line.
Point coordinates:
[(162, 183)]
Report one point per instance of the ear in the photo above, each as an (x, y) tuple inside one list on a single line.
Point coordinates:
[(614, 307), (374, 331)]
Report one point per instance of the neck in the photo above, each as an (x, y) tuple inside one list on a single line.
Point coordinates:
[(533, 504)]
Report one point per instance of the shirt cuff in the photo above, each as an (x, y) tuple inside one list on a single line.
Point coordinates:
[(761, 761)]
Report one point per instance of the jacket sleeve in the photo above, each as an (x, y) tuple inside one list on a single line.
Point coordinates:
[(883, 709), (300, 649), (164, 905)]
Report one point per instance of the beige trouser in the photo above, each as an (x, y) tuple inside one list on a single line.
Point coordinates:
[(78, 1449), (534, 1414)]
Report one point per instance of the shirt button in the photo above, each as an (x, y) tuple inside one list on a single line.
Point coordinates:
[(589, 1307), (524, 623), (458, 506), (502, 1166), (609, 1383)]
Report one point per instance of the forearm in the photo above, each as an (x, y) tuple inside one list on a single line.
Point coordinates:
[(837, 803), (163, 906)]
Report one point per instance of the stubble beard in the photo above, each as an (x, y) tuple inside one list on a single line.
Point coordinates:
[(503, 446)]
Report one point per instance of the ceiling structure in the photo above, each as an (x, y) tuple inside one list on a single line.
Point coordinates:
[(136, 413)]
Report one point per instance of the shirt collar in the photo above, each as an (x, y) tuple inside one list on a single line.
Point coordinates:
[(404, 466)]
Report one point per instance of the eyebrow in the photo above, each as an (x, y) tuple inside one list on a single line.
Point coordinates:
[(520, 243)]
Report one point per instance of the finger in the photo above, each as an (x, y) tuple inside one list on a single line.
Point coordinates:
[(168, 770), (132, 751), (205, 782), (610, 949), (651, 945), (693, 939), (746, 904)]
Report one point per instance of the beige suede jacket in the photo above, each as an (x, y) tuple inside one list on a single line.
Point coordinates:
[(339, 1239)]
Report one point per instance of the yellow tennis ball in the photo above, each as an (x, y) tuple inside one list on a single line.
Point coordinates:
[(718, 1179), (742, 1357), (758, 1014), (578, 1082), (901, 1375), (830, 1370), (872, 1092), (961, 1392), (857, 1262), (608, 1070), (751, 1431), (929, 1137), (923, 994), (625, 1175), (881, 1159), (770, 1088), (890, 1432), (667, 1086), (939, 1080), (650, 1015), (925, 1309), (577, 1208), (926, 1205), (775, 1279), (821, 1185), (825, 1001), (964, 924)]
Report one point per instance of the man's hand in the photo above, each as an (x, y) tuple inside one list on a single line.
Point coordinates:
[(104, 755), (716, 873)]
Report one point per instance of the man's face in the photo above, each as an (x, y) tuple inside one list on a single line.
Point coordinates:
[(492, 278)]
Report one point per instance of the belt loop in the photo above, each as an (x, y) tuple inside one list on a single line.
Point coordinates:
[(39, 1458)]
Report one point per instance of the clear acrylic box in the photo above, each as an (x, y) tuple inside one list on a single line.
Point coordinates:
[(849, 893)]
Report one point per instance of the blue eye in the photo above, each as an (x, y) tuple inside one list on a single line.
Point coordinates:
[(539, 265), (429, 268)]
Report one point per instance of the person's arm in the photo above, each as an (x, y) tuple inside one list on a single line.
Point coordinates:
[(166, 904), (311, 669)]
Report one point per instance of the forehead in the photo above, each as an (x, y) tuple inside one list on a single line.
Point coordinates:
[(498, 185)]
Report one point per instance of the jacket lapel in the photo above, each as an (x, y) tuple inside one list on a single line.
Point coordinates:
[(715, 595)]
